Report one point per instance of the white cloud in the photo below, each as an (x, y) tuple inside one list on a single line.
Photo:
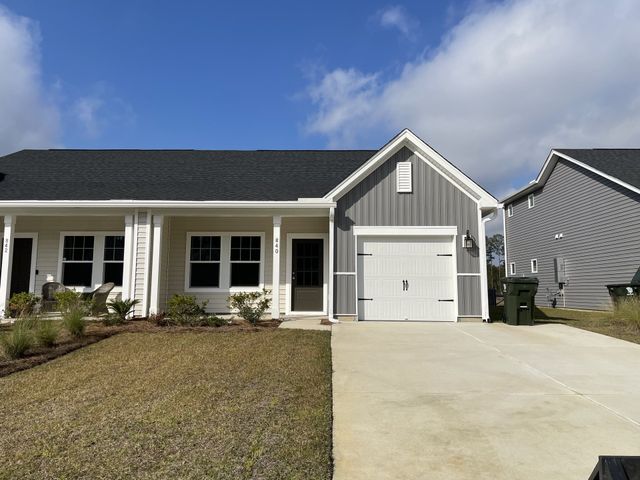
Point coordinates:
[(100, 110), (397, 17), (506, 84), (28, 119)]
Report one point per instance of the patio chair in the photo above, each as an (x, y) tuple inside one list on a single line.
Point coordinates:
[(49, 290), (99, 298)]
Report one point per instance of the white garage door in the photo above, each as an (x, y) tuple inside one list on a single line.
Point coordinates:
[(406, 278)]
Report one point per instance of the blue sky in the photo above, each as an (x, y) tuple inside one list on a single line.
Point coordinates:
[(207, 74), (492, 85)]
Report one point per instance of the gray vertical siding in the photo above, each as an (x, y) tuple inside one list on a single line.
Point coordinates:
[(469, 300), (435, 201), (600, 224)]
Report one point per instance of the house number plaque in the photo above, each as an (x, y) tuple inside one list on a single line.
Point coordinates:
[(276, 245)]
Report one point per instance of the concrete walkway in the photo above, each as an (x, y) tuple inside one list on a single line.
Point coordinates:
[(480, 401)]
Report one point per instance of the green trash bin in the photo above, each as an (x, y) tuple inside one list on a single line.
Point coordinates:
[(519, 300), (622, 291)]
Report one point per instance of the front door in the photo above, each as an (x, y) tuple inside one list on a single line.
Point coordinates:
[(21, 270), (306, 275)]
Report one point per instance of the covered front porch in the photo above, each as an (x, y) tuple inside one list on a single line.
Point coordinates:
[(151, 255)]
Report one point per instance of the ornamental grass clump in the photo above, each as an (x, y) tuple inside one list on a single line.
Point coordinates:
[(627, 311), (46, 333), (18, 340)]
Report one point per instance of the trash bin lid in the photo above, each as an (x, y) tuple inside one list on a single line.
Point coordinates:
[(520, 280)]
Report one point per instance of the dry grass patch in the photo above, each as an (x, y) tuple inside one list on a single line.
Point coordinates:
[(619, 324), (236, 405)]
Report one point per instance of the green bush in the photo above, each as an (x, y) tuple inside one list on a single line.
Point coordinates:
[(22, 304), (18, 340), (215, 321), (46, 333), (627, 311), (119, 310), (185, 310), (73, 320), (70, 300), (250, 305)]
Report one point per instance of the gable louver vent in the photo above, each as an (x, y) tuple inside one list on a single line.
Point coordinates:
[(403, 177)]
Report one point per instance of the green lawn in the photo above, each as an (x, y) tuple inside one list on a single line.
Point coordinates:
[(595, 321), (237, 405)]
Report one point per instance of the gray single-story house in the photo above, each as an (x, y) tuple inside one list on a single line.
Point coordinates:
[(576, 226), (392, 234)]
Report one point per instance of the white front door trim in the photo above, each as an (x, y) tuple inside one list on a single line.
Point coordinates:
[(325, 274), (34, 258)]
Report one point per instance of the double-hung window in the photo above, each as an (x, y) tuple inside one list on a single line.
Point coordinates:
[(77, 260), (113, 264), (204, 261), (245, 261), (224, 261), (89, 259)]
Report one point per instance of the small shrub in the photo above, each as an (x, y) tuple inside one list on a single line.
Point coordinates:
[(70, 300), (250, 305), (215, 321), (185, 310), (159, 319), (46, 333), (627, 311), (18, 340), (119, 310), (22, 304), (73, 320)]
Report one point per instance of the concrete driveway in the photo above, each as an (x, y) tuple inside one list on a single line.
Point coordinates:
[(480, 401)]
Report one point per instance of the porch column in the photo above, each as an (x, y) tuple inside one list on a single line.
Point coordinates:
[(332, 211), (7, 260), (128, 257), (156, 252), (275, 283)]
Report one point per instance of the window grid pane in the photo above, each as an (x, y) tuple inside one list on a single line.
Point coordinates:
[(114, 248), (78, 249), (205, 249), (245, 249)]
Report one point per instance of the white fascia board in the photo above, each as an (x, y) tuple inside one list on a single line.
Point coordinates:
[(300, 203), (409, 139), (405, 231)]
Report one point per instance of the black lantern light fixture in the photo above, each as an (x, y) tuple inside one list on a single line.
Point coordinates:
[(468, 241)]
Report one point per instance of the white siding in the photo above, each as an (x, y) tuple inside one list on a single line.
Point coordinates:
[(48, 229), (141, 247)]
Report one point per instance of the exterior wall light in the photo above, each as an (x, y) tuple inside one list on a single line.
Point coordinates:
[(468, 241)]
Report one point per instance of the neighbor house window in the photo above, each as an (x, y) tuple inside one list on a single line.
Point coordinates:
[(531, 199), (245, 261), (113, 264), (534, 265), (77, 260), (204, 261), (512, 268), (510, 211)]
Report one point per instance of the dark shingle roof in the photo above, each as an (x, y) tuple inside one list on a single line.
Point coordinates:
[(261, 175), (621, 163)]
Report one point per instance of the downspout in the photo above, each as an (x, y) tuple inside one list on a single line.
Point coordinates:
[(483, 265)]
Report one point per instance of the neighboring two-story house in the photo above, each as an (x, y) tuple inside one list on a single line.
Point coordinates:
[(577, 226)]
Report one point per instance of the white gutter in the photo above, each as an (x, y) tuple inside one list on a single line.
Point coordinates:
[(300, 203)]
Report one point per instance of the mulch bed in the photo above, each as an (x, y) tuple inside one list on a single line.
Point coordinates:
[(96, 331)]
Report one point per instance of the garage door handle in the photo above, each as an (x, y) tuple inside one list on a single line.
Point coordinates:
[(444, 255), (365, 299), (407, 285), (404, 285), (445, 300)]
